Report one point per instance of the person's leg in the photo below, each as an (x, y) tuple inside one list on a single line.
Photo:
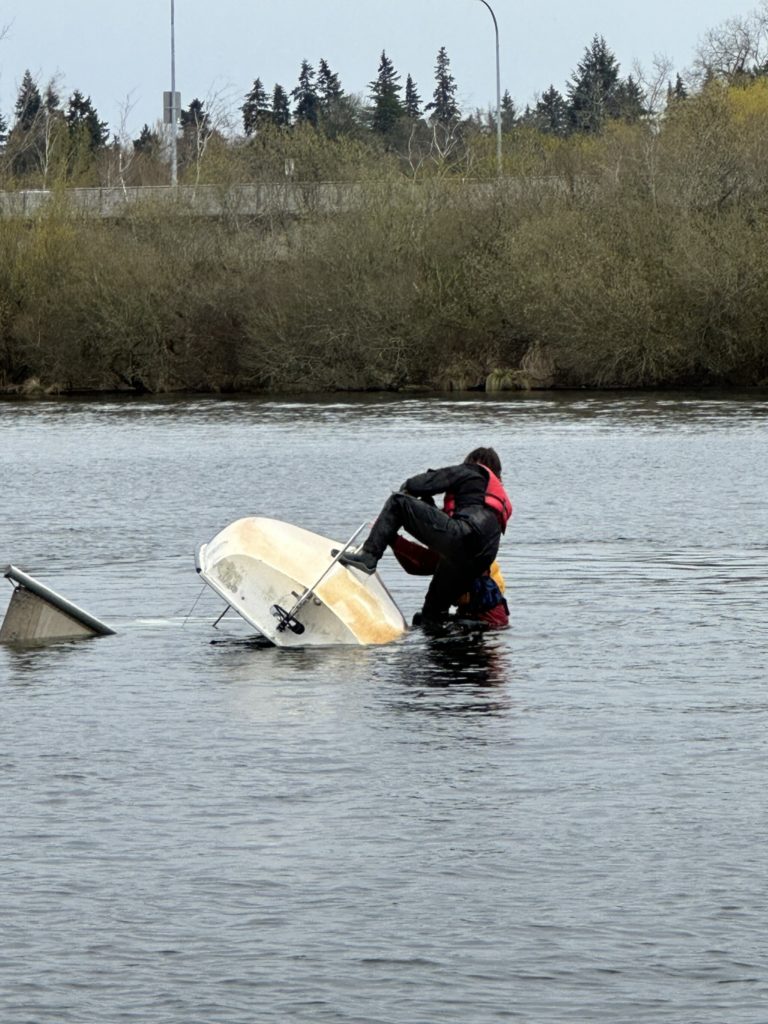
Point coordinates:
[(450, 581), (423, 521), (416, 559)]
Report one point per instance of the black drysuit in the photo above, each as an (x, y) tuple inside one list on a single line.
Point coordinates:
[(466, 541)]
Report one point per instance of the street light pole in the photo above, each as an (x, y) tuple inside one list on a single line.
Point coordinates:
[(498, 89), (174, 112)]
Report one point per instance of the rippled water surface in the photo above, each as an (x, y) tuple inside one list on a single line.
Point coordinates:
[(562, 822)]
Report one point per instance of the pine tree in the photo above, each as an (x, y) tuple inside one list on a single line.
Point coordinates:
[(147, 142), (195, 119), (28, 103), (412, 107), (551, 114), (307, 101), (444, 106), (385, 93), (329, 89), (82, 119), (592, 91), (281, 110), (508, 112), (255, 110), (51, 100), (678, 93), (630, 102), (38, 124), (334, 105)]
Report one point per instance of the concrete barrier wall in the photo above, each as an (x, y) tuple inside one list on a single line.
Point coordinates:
[(292, 198), (263, 200)]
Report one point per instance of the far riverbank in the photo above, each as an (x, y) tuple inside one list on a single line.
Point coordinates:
[(420, 286)]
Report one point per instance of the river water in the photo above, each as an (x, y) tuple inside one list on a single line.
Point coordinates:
[(562, 822)]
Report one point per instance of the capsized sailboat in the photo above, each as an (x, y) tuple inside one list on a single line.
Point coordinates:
[(288, 584)]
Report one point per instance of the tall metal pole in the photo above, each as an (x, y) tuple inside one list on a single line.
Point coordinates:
[(174, 112), (498, 90)]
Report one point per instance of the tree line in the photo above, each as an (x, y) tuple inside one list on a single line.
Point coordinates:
[(613, 251), (630, 258), (48, 140), (596, 92)]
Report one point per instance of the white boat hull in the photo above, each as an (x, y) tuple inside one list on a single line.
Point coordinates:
[(258, 565)]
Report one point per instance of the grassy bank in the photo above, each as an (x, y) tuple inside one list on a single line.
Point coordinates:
[(639, 258)]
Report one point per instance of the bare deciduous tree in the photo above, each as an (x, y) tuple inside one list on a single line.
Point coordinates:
[(737, 47), (210, 118), (654, 83), (123, 147)]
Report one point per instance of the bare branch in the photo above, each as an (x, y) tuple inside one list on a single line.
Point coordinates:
[(654, 84), (736, 47)]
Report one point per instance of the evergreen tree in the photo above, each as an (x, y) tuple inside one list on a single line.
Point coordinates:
[(3, 130), (194, 118), (551, 114), (148, 141), (592, 91), (329, 89), (28, 103), (412, 106), (255, 110), (37, 126), (51, 100), (508, 112), (305, 95), (83, 120), (385, 93), (678, 92), (281, 110), (334, 106), (630, 101), (444, 107)]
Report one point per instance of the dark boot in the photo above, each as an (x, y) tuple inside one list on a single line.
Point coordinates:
[(431, 620), (362, 560)]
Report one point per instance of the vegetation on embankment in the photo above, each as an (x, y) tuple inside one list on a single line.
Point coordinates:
[(638, 257)]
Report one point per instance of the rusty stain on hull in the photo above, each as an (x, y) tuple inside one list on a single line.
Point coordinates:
[(356, 606)]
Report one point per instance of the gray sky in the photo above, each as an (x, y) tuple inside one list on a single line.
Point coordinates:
[(119, 54)]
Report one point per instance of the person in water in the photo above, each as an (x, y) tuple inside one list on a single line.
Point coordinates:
[(483, 603), (464, 534)]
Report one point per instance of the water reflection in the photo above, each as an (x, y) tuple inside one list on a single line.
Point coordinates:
[(256, 660), (32, 660), (456, 672)]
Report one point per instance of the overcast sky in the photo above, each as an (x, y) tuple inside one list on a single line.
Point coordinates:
[(119, 53)]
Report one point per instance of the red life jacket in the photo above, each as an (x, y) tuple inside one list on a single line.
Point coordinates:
[(496, 498)]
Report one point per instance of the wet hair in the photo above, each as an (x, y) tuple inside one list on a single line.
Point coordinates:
[(486, 456)]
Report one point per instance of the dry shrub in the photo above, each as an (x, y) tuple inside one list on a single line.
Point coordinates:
[(637, 258)]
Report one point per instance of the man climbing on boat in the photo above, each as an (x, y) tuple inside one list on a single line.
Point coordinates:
[(464, 534)]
